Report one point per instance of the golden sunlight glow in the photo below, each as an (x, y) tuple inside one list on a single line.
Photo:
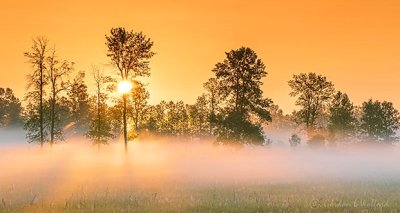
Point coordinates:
[(124, 87)]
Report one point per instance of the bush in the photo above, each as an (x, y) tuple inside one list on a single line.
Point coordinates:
[(294, 140)]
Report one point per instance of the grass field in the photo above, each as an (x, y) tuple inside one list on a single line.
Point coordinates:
[(186, 197)]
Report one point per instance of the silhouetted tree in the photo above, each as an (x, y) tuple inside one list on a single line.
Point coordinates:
[(313, 93), (198, 116), (10, 109), (237, 130), (170, 119), (176, 118), (130, 53), (342, 121), (35, 95), (100, 128), (78, 102), (138, 105), (379, 121), (57, 71), (156, 120), (32, 122), (239, 77), (213, 95)]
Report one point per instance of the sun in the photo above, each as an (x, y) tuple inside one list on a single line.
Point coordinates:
[(124, 87)]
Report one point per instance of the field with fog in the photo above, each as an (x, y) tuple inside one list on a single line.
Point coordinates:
[(206, 106), (167, 175)]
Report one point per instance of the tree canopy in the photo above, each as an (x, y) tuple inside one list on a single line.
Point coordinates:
[(239, 78), (313, 93), (10, 109), (342, 121), (379, 121)]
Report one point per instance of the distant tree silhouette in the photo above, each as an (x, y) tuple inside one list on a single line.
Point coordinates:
[(156, 120), (62, 115), (57, 71), (213, 95), (10, 109), (280, 122), (78, 102), (35, 95), (342, 121), (198, 117), (317, 141), (313, 93), (129, 53), (239, 79), (138, 105), (100, 127), (176, 119), (379, 121)]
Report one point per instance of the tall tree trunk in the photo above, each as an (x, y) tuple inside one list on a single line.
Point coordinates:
[(53, 106), (137, 121), (125, 127), (212, 115), (98, 114), (237, 94), (41, 106)]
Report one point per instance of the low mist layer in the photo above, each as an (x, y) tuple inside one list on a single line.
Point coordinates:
[(73, 172), (168, 160)]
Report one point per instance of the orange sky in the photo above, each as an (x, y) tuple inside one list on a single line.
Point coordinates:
[(355, 43)]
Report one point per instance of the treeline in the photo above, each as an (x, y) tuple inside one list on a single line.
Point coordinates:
[(231, 110), (327, 116)]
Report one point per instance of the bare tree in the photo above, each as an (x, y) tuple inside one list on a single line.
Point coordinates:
[(56, 73), (36, 83)]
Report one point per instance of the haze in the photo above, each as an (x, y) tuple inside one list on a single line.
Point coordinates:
[(171, 160)]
